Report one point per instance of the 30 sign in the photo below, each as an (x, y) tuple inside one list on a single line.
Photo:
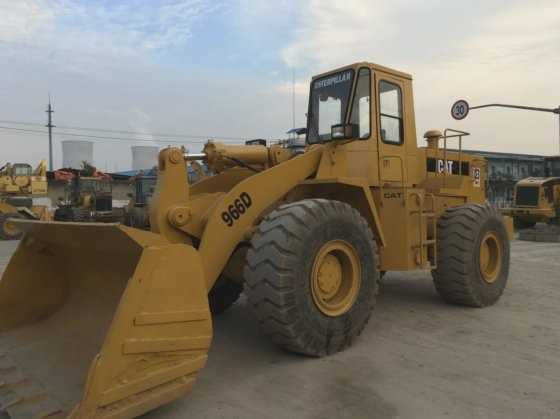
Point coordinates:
[(460, 109)]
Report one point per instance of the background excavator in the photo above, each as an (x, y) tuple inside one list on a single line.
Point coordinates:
[(120, 316), (19, 184)]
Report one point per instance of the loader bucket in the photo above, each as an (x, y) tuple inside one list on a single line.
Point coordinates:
[(99, 321)]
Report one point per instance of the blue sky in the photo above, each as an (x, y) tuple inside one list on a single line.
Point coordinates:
[(224, 68)]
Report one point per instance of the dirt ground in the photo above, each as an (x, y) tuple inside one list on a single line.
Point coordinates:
[(417, 358)]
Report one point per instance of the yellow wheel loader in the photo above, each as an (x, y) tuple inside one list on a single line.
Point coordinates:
[(535, 200), (108, 321), (19, 183)]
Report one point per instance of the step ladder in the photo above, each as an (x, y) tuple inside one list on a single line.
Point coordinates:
[(426, 249)]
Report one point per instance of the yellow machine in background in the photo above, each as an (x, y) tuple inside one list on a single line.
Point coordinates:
[(88, 198), (536, 200), (19, 183), (120, 316)]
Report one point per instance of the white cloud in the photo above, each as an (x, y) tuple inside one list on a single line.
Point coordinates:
[(331, 31), (84, 34), (300, 88), (513, 57), (485, 51), (103, 63), (22, 19)]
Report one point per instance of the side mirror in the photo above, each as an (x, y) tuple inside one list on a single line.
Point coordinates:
[(344, 131)]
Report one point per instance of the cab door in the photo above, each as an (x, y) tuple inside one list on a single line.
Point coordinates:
[(391, 130)]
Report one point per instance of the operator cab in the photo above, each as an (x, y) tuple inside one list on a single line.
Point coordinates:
[(342, 105), (369, 109), (22, 169)]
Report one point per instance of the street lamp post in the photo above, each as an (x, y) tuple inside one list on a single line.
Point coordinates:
[(461, 108)]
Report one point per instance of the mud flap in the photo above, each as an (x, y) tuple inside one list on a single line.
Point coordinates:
[(99, 321), (508, 224)]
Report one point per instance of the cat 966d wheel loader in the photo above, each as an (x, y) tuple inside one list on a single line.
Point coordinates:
[(109, 321)]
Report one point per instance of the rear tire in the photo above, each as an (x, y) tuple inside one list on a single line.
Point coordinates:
[(223, 294), (7, 232), (71, 214), (472, 255), (63, 214), (301, 273)]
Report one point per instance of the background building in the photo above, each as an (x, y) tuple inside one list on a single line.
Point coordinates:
[(506, 169)]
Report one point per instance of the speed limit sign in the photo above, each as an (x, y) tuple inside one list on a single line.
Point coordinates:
[(460, 110)]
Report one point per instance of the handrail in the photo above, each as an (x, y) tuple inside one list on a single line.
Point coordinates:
[(458, 134), (420, 202)]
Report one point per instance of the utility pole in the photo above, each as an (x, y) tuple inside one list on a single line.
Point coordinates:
[(50, 126), (293, 98)]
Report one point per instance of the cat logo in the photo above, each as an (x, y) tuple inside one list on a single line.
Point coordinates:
[(441, 166), (391, 195)]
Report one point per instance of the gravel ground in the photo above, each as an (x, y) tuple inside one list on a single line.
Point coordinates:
[(417, 358)]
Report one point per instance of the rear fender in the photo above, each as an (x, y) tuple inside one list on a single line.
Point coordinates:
[(353, 191)]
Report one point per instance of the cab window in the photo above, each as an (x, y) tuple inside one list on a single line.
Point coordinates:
[(391, 113), (361, 105), (328, 104), (22, 170)]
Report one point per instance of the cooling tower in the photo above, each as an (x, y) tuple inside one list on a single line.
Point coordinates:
[(144, 157), (75, 152)]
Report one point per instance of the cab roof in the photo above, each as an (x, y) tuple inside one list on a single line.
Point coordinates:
[(373, 66), (538, 181)]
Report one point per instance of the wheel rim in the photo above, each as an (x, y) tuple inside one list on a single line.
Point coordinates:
[(490, 257), (10, 229), (335, 278)]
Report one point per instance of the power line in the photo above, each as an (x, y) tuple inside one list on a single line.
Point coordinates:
[(41, 134), (21, 123), (102, 137), (155, 134)]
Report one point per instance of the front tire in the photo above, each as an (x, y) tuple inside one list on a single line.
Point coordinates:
[(312, 275), (472, 255)]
